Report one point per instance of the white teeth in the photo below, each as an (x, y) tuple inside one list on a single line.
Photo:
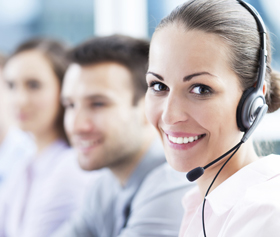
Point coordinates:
[(85, 144), (181, 140)]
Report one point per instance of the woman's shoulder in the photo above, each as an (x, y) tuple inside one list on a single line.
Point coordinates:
[(259, 206), (268, 166), (265, 192)]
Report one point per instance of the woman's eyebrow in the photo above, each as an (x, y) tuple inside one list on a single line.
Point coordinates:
[(156, 75), (189, 77), (186, 78)]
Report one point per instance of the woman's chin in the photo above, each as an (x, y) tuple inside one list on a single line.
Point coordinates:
[(179, 164), (24, 126)]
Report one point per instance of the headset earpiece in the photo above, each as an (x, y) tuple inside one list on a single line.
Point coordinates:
[(240, 107), (253, 100), (248, 108)]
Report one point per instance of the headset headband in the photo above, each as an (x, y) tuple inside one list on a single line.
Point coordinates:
[(263, 51)]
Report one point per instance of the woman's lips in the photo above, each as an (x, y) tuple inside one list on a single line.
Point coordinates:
[(22, 116), (183, 141)]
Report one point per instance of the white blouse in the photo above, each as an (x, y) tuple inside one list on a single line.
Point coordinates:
[(15, 150), (45, 193), (246, 204)]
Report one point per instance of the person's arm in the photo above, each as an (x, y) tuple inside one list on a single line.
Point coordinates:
[(157, 210)]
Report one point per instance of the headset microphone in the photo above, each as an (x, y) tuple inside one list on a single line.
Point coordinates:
[(199, 171), (251, 108)]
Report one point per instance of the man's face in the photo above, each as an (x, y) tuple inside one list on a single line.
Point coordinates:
[(100, 120)]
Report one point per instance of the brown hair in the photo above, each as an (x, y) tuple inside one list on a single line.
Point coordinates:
[(56, 53), (238, 28), (127, 51)]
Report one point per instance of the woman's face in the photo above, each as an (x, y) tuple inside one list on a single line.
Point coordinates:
[(3, 108), (192, 96), (33, 91)]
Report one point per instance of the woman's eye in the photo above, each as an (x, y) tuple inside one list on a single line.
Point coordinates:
[(34, 85), (97, 104), (68, 105), (201, 90), (158, 86), (10, 85)]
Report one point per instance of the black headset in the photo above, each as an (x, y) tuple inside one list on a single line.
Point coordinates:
[(251, 108), (252, 105)]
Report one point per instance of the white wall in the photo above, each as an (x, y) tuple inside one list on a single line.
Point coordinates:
[(127, 17)]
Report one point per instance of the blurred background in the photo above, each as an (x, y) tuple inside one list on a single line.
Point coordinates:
[(74, 21)]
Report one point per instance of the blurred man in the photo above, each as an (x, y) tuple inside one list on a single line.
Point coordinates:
[(103, 93)]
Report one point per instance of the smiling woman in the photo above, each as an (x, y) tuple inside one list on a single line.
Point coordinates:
[(50, 184), (205, 57), (197, 95), (33, 74)]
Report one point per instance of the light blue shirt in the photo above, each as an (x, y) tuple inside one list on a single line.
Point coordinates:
[(149, 204)]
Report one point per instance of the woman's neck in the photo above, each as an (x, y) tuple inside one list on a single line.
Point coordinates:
[(44, 139), (244, 156)]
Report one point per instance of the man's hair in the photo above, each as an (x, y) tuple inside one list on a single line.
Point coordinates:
[(127, 51)]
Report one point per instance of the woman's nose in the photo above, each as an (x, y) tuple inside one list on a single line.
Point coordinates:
[(20, 98), (174, 110)]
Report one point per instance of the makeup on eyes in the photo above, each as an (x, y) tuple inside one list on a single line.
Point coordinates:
[(198, 84), (197, 89), (33, 84)]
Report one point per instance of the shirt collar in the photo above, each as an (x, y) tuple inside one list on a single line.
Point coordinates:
[(18, 140), (236, 186)]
